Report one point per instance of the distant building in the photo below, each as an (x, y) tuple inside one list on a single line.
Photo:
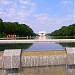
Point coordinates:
[(42, 35)]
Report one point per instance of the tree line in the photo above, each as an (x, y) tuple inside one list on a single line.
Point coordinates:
[(21, 30), (65, 31)]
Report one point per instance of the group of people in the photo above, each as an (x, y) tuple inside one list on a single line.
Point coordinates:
[(11, 36)]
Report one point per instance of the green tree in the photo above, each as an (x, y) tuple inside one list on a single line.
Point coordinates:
[(65, 31), (15, 28)]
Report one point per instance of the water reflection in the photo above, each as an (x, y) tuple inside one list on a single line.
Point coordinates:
[(45, 46), (44, 70), (53, 70), (15, 46), (70, 70), (37, 46), (71, 44), (10, 71)]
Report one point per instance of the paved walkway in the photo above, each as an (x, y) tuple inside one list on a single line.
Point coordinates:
[(35, 40)]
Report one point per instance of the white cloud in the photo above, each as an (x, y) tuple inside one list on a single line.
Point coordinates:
[(67, 6), (53, 20), (1, 12), (20, 9), (24, 13), (50, 23), (5, 2), (24, 1), (42, 19), (66, 2), (30, 5)]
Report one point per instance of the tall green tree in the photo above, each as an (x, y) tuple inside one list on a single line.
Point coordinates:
[(15, 28), (65, 31)]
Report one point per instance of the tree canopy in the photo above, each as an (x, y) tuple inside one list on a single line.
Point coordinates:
[(15, 28), (65, 31)]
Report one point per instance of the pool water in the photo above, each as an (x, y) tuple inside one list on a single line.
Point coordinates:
[(45, 46), (46, 70)]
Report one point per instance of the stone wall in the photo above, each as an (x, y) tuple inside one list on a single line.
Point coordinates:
[(11, 58), (1, 62), (29, 61), (41, 60)]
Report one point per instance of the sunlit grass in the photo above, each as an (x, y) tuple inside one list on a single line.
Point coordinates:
[(43, 53), (1, 53)]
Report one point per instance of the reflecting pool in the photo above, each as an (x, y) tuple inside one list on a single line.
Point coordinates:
[(43, 46)]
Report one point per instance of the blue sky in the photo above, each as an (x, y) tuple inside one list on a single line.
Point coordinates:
[(40, 15)]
